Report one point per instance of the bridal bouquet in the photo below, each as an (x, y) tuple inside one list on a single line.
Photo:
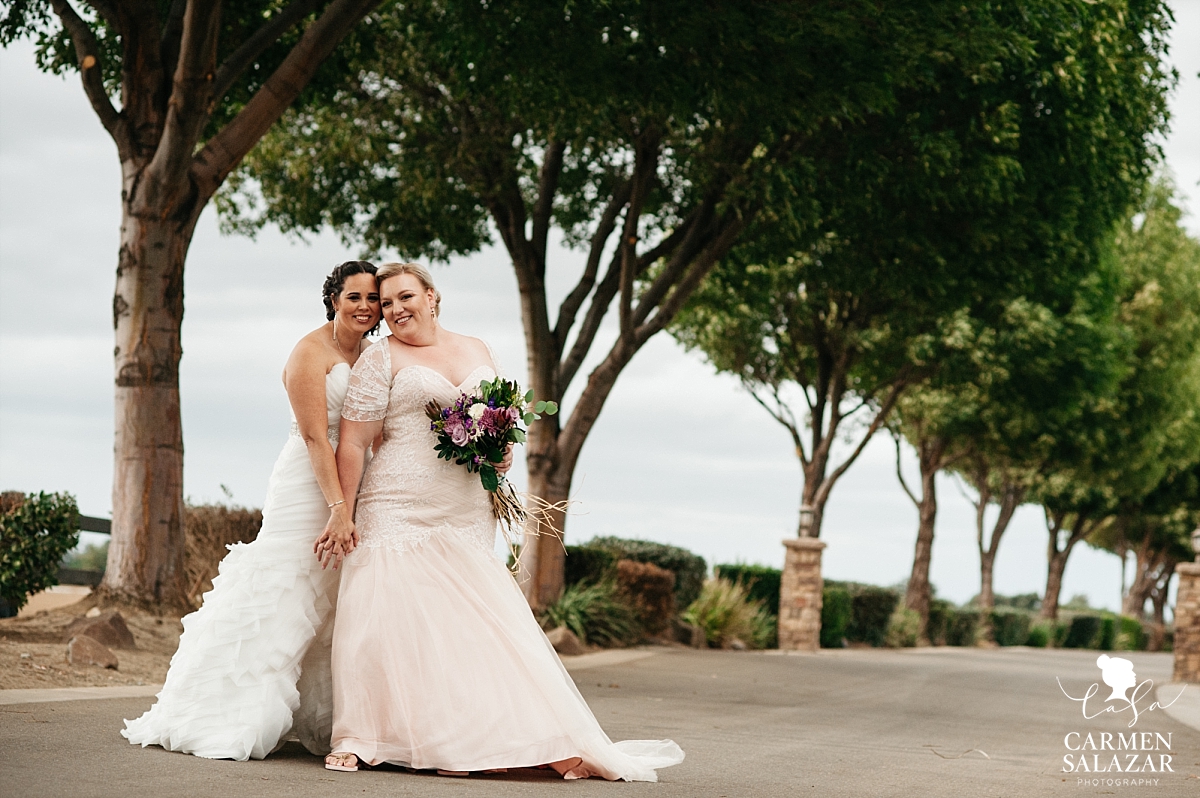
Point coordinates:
[(475, 432)]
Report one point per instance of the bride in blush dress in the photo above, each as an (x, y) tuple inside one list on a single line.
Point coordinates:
[(253, 661), (438, 662)]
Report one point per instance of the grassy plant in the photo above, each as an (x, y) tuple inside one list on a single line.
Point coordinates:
[(596, 613), (725, 611), (90, 558)]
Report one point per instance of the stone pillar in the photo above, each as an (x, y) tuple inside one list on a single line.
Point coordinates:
[(800, 596), (1187, 623)]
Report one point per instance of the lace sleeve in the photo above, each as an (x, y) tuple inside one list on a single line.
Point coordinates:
[(370, 385)]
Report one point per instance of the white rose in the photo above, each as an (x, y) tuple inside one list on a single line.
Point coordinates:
[(476, 411)]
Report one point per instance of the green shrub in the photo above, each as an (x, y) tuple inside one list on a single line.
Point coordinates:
[(762, 581), (939, 619), (596, 613), (1061, 628), (1010, 628), (650, 591), (35, 532), (1040, 635), (587, 564), (725, 611), (1083, 632), (690, 569), (1130, 635), (904, 627), (870, 610), (1108, 633), (835, 616), (962, 627)]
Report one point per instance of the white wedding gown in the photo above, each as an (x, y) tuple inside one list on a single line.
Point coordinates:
[(253, 664), (438, 661)]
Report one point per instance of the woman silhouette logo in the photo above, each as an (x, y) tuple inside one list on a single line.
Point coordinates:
[(1118, 674)]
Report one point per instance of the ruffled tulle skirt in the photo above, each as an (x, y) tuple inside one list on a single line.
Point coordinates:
[(253, 664), (439, 663)]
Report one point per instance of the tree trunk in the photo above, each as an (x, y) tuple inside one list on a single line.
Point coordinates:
[(917, 596), (1054, 576), (145, 560)]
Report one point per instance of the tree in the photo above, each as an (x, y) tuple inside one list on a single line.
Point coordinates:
[(923, 211), (1131, 442), (651, 135), (197, 85), (1005, 388)]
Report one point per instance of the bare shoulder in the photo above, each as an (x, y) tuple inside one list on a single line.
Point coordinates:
[(311, 354), (474, 347)]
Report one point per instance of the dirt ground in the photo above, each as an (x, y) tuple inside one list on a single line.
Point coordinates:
[(33, 650)]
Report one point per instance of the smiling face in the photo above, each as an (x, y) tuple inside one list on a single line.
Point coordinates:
[(407, 305), (357, 306)]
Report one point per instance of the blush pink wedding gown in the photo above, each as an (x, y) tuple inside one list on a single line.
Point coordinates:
[(437, 659)]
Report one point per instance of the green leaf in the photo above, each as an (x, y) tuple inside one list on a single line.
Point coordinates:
[(487, 475), (551, 408), (516, 435), (540, 407), (529, 395), (530, 418)]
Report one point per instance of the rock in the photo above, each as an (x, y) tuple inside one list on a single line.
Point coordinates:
[(689, 634), (565, 642), (83, 650), (736, 645), (108, 628), (94, 612)]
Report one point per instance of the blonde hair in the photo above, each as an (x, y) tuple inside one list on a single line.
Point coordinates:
[(416, 270)]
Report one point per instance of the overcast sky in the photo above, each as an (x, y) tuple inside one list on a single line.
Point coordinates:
[(679, 455)]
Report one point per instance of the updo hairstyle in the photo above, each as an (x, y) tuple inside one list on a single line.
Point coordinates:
[(416, 270), (336, 282)]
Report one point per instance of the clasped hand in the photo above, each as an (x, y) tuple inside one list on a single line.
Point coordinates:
[(338, 540)]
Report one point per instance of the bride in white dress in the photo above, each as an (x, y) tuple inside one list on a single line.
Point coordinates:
[(253, 662), (438, 662)]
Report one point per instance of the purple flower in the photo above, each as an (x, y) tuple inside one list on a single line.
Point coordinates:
[(457, 431)]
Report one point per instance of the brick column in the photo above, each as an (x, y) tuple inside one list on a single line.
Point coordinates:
[(800, 596), (1187, 623)]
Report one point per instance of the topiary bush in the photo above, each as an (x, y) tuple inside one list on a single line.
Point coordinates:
[(1010, 628), (1040, 635), (1130, 634), (726, 613), (763, 582), (690, 569), (597, 613), (939, 618), (835, 616), (870, 610), (650, 591), (1107, 634), (962, 627), (36, 531), (587, 564), (1083, 632)]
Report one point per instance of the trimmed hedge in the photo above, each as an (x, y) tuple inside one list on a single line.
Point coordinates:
[(588, 564), (871, 609), (963, 627), (1082, 632), (1010, 628), (835, 616), (940, 612), (763, 582), (690, 569), (36, 531)]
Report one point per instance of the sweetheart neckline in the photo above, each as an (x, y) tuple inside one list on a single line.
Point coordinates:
[(443, 376)]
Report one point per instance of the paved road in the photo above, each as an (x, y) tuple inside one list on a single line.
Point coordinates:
[(844, 723)]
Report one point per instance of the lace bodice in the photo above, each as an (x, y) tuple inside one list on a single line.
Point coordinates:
[(336, 384), (407, 493)]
